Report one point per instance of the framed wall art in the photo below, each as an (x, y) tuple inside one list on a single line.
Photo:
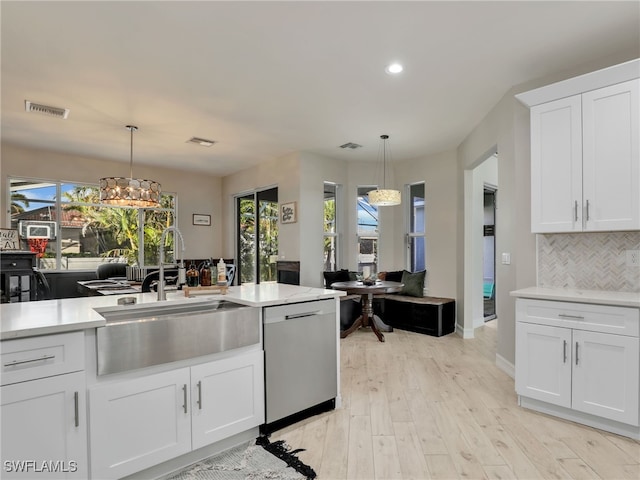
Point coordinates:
[(288, 213), (200, 219)]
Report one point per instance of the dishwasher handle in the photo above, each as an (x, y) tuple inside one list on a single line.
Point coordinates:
[(293, 316)]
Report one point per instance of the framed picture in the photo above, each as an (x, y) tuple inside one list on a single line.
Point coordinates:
[(199, 219), (288, 213)]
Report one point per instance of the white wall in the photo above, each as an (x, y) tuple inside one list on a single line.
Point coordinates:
[(300, 178), (283, 173), (197, 192), (441, 199)]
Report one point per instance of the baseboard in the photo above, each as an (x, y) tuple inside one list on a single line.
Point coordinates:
[(465, 333), (506, 366)]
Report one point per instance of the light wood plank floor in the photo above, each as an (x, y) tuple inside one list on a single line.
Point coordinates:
[(421, 407)]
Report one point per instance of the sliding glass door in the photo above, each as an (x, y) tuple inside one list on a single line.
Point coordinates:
[(257, 236)]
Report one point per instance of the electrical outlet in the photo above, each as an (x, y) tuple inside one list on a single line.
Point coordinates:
[(633, 258)]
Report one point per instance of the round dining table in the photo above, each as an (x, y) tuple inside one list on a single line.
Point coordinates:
[(367, 293)]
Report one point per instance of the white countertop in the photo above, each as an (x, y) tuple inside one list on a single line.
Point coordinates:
[(56, 316), (624, 299)]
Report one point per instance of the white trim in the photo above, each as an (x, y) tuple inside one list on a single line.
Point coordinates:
[(506, 366), (631, 431), (583, 83)]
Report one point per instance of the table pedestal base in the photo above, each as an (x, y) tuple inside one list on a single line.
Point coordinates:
[(366, 319)]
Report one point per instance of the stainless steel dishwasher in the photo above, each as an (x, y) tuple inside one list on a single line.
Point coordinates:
[(300, 342)]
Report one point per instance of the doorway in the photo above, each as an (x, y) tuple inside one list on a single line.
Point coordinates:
[(257, 236), (489, 254)]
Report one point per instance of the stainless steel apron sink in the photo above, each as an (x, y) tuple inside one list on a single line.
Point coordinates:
[(141, 336)]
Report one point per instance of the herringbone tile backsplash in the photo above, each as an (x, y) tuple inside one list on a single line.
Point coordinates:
[(590, 261)]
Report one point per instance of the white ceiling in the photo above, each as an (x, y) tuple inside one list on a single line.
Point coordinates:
[(265, 79)]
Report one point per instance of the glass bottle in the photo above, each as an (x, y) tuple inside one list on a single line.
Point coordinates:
[(192, 276), (205, 274)]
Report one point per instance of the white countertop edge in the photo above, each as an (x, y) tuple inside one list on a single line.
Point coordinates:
[(600, 297), (28, 319)]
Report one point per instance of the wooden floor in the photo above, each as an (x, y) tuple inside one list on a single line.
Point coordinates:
[(418, 407)]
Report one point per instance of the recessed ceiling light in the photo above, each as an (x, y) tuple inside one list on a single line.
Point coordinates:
[(394, 68)]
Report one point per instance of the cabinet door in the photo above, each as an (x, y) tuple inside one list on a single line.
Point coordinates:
[(611, 157), (136, 424), (44, 428), (606, 375), (543, 363), (556, 166), (228, 397)]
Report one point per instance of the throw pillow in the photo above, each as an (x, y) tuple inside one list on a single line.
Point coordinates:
[(394, 276), (337, 276), (413, 283), (382, 276)]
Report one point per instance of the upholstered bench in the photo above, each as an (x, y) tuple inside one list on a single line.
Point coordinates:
[(431, 315)]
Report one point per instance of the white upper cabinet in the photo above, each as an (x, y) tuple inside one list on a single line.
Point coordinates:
[(611, 157), (556, 166), (585, 152)]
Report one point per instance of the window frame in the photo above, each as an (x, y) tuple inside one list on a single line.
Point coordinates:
[(59, 203), (336, 234), (411, 235), (369, 236)]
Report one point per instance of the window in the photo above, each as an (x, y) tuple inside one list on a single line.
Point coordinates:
[(367, 231), (330, 229), (257, 236), (416, 240), (70, 230)]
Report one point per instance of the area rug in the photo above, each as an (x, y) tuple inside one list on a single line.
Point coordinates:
[(256, 460)]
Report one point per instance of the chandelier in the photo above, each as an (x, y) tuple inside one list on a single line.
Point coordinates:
[(383, 197), (130, 192)]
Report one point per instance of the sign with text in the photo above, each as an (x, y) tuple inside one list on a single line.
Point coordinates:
[(9, 239)]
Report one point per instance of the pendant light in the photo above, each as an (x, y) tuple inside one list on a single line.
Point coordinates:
[(130, 192), (383, 197)]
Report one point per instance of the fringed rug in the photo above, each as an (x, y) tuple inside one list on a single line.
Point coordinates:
[(257, 460)]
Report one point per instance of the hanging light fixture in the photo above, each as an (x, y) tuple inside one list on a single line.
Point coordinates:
[(130, 192), (382, 197)]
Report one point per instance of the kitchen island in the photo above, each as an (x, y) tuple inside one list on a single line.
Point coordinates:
[(145, 422)]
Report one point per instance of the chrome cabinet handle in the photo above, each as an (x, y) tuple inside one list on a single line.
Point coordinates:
[(199, 395), (576, 353), (20, 362), (302, 315), (184, 392), (76, 408), (575, 211), (566, 315), (588, 216), (564, 351)]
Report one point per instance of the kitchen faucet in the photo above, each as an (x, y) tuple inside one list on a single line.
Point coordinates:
[(176, 235)]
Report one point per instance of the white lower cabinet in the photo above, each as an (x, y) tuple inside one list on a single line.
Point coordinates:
[(138, 423), (566, 357), (43, 407), (44, 428), (228, 398)]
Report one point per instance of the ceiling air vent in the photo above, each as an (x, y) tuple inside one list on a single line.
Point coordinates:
[(46, 110), (203, 142), (351, 145)]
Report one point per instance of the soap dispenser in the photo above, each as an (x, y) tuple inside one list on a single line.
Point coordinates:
[(222, 273)]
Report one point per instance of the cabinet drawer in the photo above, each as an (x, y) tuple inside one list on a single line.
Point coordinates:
[(14, 262), (580, 316), (43, 356)]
